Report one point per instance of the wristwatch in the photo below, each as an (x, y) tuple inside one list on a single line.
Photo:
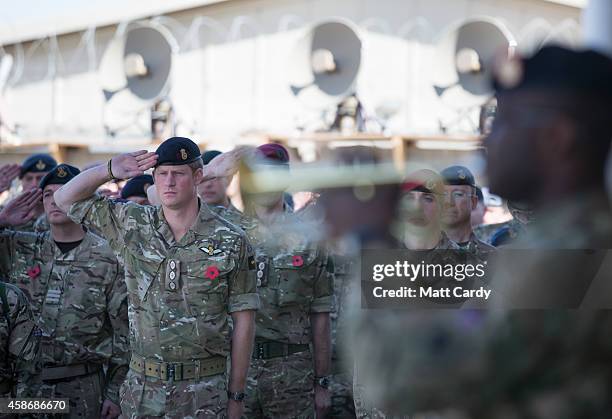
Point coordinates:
[(237, 396), (323, 381)]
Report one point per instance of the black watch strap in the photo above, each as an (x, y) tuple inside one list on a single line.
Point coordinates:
[(323, 381), (237, 396)]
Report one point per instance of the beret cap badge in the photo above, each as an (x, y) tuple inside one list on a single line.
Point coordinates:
[(40, 165), (61, 173), (183, 154)]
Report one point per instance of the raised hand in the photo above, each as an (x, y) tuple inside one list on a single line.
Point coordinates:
[(227, 164), (21, 209), (8, 173), (128, 165)]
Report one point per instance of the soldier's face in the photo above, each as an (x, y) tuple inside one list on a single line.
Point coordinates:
[(54, 214), (419, 209), (214, 191), (459, 201), (176, 185), (31, 180)]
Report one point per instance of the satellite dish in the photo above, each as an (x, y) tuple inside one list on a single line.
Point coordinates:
[(325, 63), (139, 61), (6, 64), (464, 60)]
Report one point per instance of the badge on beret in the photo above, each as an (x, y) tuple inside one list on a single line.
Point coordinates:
[(40, 165), (61, 173), (430, 185), (183, 154), (461, 175)]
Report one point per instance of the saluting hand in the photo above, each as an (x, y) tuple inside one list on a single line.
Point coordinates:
[(21, 209), (128, 165), (8, 172), (227, 164)]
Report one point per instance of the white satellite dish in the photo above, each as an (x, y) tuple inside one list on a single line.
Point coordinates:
[(325, 63), (135, 72), (139, 61), (463, 61), (6, 64)]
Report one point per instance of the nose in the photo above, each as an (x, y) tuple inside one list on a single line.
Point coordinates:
[(169, 180)]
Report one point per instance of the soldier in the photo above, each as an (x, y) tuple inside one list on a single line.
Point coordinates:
[(19, 339), (549, 146), (31, 171), (419, 228), (186, 269), (135, 189), (78, 296), (213, 191), (296, 287), (459, 201)]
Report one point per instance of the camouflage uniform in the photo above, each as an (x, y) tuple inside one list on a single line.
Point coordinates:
[(372, 357), (343, 405), (180, 294), (294, 280), (540, 364), (79, 301), (20, 340), (477, 247), (512, 229)]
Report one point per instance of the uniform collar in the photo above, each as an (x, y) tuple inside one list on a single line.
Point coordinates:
[(203, 219)]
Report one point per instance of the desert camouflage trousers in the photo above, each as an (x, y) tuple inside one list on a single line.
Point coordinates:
[(148, 397), (281, 387)]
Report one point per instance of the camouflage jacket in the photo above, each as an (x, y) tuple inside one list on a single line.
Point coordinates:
[(180, 293), (477, 247), (78, 299), (294, 276), (19, 343)]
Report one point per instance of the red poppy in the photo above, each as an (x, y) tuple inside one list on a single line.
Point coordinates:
[(297, 260), (212, 272), (34, 271)]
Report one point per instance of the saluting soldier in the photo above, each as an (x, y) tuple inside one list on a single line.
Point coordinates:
[(78, 297), (186, 269), (30, 173), (290, 370)]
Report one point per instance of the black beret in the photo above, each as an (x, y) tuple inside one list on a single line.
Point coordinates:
[(458, 175), (209, 155), (557, 69), (479, 194), (37, 163), (177, 150), (59, 175), (136, 186)]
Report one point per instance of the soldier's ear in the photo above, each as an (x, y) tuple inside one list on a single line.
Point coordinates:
[(198, 175)]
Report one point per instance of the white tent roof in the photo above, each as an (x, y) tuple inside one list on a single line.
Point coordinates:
[(26, 20)]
